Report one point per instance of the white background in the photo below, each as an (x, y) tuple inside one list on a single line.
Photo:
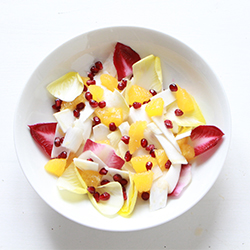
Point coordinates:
[(218, 30)]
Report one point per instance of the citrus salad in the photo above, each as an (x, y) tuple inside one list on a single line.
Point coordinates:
[(119, 136)]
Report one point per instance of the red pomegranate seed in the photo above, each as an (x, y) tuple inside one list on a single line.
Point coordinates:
[(103, 171), (99, 65), (125, 139), (76, 113), (80, 106), (173, 87), (145, 196), (90, 159), (61, 140), (91, 82), (105, 196), (104, 181), (93, 103), (168, 164), (168, 124), (123, 182), (63, 155), (102, 104), (85, 88), (58, 103), (90, 75), (144, 143), (88, 96), (96, 196), (57, 142), (125, 195), (150, 147), (96, 120), (112, 126), (136, 105), (152, 92), (178, 112), (149, 165), (117, 177), (94, 70), (122, 85), (91, 189), (152, 153), (127, 156), (145, 102)]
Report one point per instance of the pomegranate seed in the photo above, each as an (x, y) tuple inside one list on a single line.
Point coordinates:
[(149, 165), (88, 96), (63, 155), (93, 103), (58, 103), (168, 124), (152, 153), (117, 177), (123, 182), (145, 196), (94, 70), (96, 196), (57, 142), (125, 139), (152, 92), (80, 106), (105, 196), (136, 105), (99, 65), (90, 159), (145, 102), (90, 75), (127, 156), (150, 147), (91, 82), (102, 104), (104, 181), (112, 126), (144, 143), (55, 108), (168, 164), (122, 85), (178, 112), (85, 88), (91, 189), (76, 113), (103, 171), (96, 120), (61, 140), (125, 195), (173, 87)]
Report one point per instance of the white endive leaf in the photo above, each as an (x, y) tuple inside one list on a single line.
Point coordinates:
[(115, 202), (65, 119), (69, 181), (83, 164), (100, 132), (89, 154), (172, 176), (166, 95)]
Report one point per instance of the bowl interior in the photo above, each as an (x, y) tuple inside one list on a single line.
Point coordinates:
[(179, 63)]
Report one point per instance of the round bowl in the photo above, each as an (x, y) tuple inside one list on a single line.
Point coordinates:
[(179, 63)]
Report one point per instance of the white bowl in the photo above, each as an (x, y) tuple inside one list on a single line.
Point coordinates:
[(179, 63)]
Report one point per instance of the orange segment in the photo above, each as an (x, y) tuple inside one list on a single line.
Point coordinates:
[(161, 158), (72, 105), (187, 151), (56, 166), (103, 142), (110, 114), (136, 133), (155, 107), (184, 100), (90, 177), (143, 181), (109, 82), (97, 92), (138, 94), (139, 162)]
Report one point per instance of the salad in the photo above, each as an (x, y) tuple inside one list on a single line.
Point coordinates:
[(119, 136)]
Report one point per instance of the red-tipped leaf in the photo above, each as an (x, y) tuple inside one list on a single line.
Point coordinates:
[(124, 57), (44, 134), (205, 137)]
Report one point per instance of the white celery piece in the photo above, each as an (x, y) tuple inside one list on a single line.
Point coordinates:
[(158, 193), (73, 139), (100, 132), (65, 119), (159, 121), (167, 96), (173, 154), (85, 164)]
